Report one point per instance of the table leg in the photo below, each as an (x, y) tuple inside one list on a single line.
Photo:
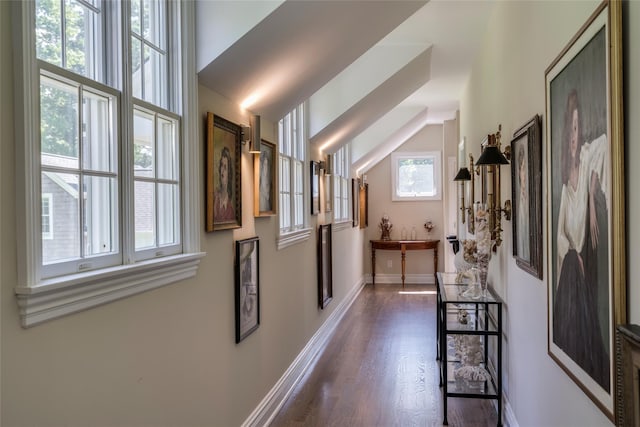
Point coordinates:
[(435, 263), (373, 266), (404, 255)]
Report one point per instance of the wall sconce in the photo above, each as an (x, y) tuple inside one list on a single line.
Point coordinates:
[(462, 176), (327, 165), (492, 158), (251, 134)]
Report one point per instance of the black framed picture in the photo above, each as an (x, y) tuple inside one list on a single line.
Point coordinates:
[(315, 187), (247, 287), (526, 193), (325, 278)]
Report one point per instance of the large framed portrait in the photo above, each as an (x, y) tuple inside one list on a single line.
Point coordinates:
[(585, 204), (364, 205), (315, 187), (325, 278), (526, 190), (247, 287), (265, 202), (223, 186)]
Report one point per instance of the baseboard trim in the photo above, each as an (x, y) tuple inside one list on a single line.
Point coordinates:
[(509, 415), (411, 279), (273, 401)]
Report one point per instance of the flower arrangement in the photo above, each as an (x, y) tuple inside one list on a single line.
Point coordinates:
[(428, 225), (385, 226)]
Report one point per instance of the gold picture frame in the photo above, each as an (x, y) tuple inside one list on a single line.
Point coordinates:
[(586, 282), (265, 196), (223, 177)]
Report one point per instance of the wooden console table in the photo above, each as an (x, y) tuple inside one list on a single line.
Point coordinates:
[(403, 246)]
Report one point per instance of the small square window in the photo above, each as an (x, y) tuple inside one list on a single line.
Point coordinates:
[(416, 176)]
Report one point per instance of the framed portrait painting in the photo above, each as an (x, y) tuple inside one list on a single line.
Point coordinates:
[(325, 278), (315, 187), (264, 175), (585, 204), (526, 189), (247, 287), (223, 186)]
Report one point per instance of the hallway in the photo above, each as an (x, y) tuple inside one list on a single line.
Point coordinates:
[(380, 369)]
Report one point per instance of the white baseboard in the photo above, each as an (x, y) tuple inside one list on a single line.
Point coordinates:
[(509, 416), (273, 401), (411, 279)]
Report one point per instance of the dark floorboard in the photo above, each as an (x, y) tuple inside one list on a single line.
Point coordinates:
[(380, 369)]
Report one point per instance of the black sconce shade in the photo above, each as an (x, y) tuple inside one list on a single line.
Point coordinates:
[(492, 156), (463, 175)]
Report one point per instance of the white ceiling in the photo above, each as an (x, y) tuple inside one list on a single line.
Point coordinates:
[(374, 71)]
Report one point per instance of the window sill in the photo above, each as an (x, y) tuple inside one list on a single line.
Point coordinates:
[(53, 298), (292, 238), (342, 225)]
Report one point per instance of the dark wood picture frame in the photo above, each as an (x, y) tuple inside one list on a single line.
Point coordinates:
[(325, 273), (586, 284), (247, 287), (355, 201), (265, 194), (364, 205), (526, 196), (314, 183), (223, 155)]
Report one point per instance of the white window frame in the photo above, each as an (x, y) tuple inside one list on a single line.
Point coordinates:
[(295, 135), (42, 299), (397, 156)]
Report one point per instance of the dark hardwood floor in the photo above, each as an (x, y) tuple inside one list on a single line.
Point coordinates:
[(380, 369)]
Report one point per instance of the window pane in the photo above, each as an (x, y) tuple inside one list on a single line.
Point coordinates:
[(168, 216), (145, 214), (168, 154), (154, 22), (415, 177), (49, 31), (100, 213), (136, 17), (155, 77), (81, 48), (65, 210), (285, 211), (298, 184), (143, 146), (285, 175), (58, 123), (299, 213), (136, 67), (99, 153)]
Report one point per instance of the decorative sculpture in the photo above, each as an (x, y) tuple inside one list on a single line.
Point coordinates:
[(385, 226)]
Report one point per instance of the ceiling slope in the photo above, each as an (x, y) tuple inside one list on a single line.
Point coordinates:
[(297, 49), (376, 104), (395, 140)]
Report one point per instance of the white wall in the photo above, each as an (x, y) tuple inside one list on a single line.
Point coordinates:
[(404, 214), (507, 87), (166, 357)]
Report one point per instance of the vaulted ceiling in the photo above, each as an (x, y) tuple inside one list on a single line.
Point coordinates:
[(375, 72)]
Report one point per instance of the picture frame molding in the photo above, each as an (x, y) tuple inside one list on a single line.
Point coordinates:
[(531, 132), (612, 23), (314, 186), (325, 272), (215, 123), (240, 333), (257, 169)]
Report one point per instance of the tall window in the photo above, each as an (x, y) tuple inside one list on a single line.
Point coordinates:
[(292, 161), (341, 184), (108, 150), (80, 130)]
